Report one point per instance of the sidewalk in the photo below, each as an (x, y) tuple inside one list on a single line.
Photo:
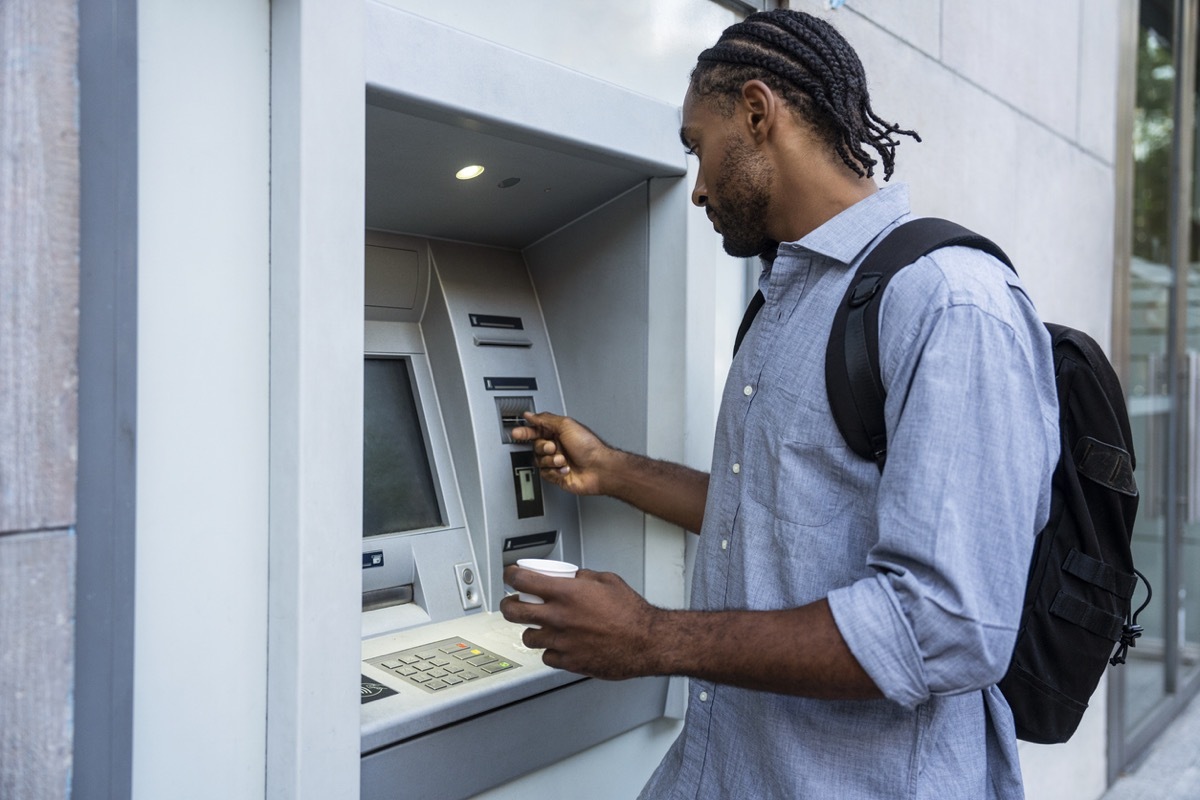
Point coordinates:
[(1171, 770)]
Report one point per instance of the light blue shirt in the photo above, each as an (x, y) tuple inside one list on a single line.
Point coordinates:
[(924, 567)]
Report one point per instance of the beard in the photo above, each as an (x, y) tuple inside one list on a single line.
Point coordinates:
[(740, 213)]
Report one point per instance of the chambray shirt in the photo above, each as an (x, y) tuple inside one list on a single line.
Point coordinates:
[(924, 567)]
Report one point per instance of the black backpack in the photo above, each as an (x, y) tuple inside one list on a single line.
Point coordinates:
[(1079, 591)]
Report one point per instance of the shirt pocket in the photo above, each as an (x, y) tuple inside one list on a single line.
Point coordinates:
[(795, 456)]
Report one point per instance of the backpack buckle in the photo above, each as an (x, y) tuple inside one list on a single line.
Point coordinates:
[(865, 289)]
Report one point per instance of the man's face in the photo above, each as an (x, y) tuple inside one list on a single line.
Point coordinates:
[(734, 179)]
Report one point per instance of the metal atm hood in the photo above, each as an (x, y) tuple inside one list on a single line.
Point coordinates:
[(573, 142), (526, 191)]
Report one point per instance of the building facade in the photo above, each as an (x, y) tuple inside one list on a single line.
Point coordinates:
[(178, 458)]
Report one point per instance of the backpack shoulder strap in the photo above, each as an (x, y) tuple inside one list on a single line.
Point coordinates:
[(852, 377), (756, 304)]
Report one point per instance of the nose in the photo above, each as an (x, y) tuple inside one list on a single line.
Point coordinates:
[(700, 192)]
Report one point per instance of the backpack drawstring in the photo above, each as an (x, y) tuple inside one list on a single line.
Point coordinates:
[(1131, 631)]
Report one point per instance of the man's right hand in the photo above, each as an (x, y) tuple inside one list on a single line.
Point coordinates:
[(573, 458), (569, 455)]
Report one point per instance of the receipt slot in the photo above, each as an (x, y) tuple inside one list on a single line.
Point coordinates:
[(483, 301)]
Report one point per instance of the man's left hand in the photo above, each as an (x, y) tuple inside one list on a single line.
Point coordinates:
[(593, 624)]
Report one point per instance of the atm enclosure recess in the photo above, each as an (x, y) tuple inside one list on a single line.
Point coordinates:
[(478, 307)]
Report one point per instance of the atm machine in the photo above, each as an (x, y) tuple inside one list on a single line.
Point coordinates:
[(482, 303), (456, 351)]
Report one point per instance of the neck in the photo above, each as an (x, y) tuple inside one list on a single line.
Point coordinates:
[(810, 201)]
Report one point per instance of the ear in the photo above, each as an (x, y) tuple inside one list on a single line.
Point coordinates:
[(760, 109)]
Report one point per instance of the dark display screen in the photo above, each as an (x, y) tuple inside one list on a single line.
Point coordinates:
[(399, 493)]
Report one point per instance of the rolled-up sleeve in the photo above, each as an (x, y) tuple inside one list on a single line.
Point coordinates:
[(970, 413)]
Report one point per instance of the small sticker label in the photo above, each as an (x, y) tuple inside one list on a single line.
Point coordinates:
[(374, 691)]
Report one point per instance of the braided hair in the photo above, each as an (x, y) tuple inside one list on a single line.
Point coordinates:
[(808, 63)]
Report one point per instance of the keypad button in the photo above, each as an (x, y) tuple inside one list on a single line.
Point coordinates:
[(440, 665)]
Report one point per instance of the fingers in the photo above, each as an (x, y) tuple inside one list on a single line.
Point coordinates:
[(526, 580), (546, 420), (540, 430), (524, 433), (538, 426), (515, 610)]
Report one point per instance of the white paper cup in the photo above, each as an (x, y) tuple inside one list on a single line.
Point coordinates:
[(554, 569)]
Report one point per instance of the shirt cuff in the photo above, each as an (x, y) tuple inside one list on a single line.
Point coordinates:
[(867, 613)]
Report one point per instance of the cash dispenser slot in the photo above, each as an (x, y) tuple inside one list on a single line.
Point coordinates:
[(531, 545), (386, 598)]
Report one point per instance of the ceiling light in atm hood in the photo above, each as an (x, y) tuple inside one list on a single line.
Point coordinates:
[(466, 173)]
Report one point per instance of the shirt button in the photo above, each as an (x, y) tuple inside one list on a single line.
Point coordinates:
[(704, 697), (737, 468), (749, 390), (724, 544)]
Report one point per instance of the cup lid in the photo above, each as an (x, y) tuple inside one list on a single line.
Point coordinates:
[(546, 565)]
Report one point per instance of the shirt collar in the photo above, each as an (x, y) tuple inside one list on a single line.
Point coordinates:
[(845, 236)]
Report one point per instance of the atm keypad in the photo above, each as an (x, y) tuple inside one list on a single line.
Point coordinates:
[(441, 665)]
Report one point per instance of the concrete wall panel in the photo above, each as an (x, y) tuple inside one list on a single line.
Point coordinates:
[(37, 602), (39, 334), (1064, 207), (1099, 52), (39, 264), (1027, 54), (917, 23)]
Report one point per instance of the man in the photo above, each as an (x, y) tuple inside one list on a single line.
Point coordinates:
[(847, 628)]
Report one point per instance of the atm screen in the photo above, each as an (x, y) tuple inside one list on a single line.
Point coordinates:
[(399, 493)]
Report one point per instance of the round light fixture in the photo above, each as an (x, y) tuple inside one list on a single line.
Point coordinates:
[(466, 173)]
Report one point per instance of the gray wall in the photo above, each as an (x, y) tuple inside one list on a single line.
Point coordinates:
[(39, 299)]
